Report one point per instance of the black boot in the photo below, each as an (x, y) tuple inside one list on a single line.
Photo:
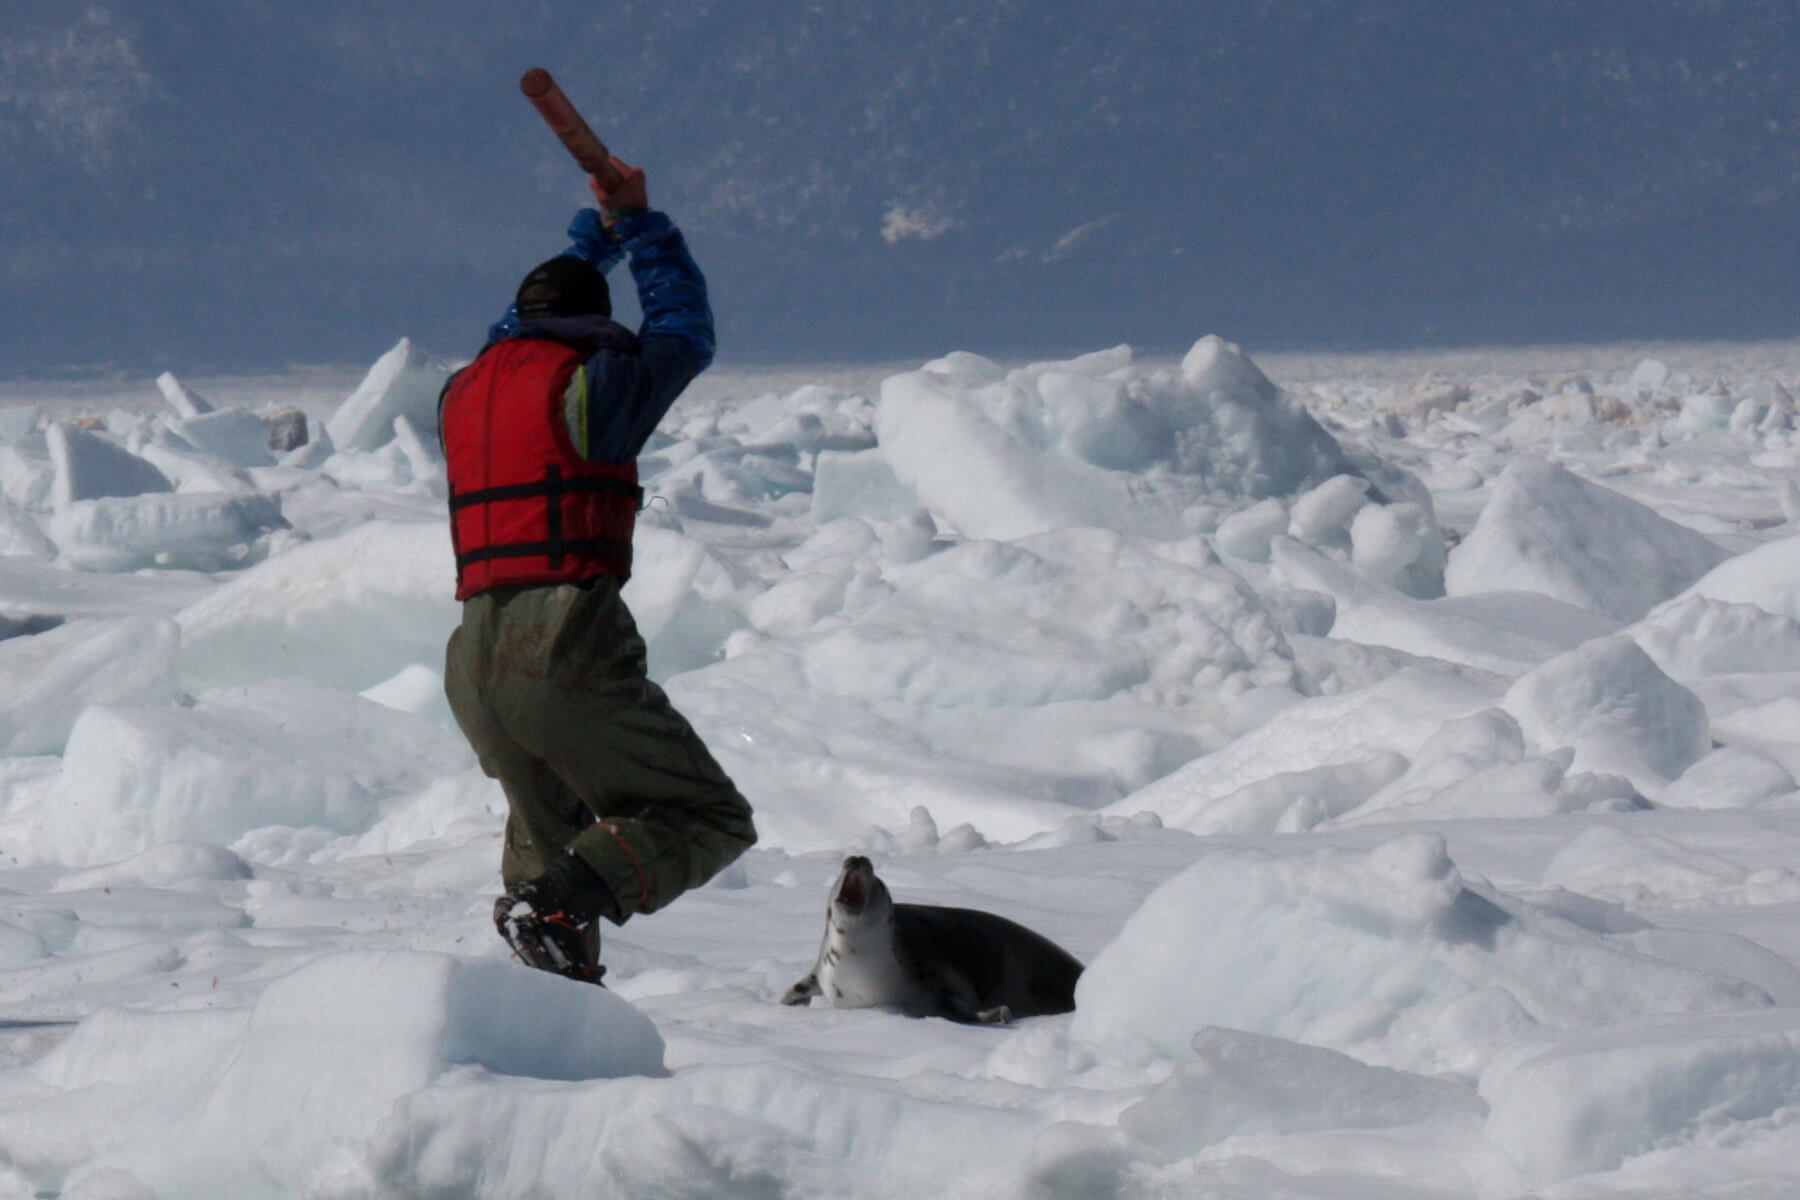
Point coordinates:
[(553, 922)]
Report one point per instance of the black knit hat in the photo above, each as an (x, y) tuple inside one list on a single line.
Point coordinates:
[(565, 286)]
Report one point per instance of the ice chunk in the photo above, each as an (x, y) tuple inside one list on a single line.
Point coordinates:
[(418, 689), (20, 536), (1322, 516), (1619, 712), (1476, 766), (423, 458), (89, 466), (1302, 613), (189, 469), (1588, 1101), (1705, 411), (1290, 802), (19, 421), (283, 753), (1768, 577), (1640, 868), (404, 382), (246, 1104), (1767, 727), (1729, 777), (837, 548), (752, 1129), (27, 476), (232, 436), (313, 454), (1236, 427), (1546, 530), (1098, 420), (989, 479), (349, 611), (1247, 1083), (797, 602), (52, 676), (1692, 637), (1434, 394), (201, 531), (170, 865), (1648, 378), (1248, 534), (186, 404), (685, 599), (1029, 667), (1097, 441), (967, 369), (1504, 632), (1399, 714), (383, 470), (1399, 545), (906, 539), (1370, 951), (859, 484)]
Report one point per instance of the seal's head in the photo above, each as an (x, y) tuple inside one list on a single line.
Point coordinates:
[(859, 892)]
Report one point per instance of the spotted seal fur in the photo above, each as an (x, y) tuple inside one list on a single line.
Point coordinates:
[(969, 966)]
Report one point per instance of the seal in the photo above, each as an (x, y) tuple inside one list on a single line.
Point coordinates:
[(969, 966)]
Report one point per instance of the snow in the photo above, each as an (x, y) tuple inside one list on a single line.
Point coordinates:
[(1607, 701), (258, 1092), (1559, 1110), (1409, 749), (1766, 576), (265, 756), (1547, 530), (60, 673), (1238, 1083), (1368, 952), (350, 611)]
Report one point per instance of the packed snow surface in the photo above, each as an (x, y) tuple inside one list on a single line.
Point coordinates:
[(1408, 746)]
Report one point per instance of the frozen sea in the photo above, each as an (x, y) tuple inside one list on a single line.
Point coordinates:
[(1407, 742)]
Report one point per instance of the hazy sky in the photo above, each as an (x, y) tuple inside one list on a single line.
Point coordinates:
[(242, 183)]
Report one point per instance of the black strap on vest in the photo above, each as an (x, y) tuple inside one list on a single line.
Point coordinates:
[(593, 547), (552, 487)]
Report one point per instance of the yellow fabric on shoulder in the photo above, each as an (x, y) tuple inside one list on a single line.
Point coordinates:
[(575, 412)]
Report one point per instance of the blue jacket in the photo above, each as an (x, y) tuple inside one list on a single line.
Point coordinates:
[(628, 383)]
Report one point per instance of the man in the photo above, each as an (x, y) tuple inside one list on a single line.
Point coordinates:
[(614, 805)]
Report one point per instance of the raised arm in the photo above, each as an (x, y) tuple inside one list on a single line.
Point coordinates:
[(629, 392), (671, 290)]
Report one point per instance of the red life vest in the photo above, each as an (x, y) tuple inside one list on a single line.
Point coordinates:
[(525, 508)]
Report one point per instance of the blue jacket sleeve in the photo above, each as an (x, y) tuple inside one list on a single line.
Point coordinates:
[(628, 392), (590, 242), (671, 290)]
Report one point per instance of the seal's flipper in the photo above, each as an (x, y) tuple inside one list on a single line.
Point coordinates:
[(803, 991), (952, 995)]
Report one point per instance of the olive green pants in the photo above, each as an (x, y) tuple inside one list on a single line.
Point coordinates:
[(548, 684)]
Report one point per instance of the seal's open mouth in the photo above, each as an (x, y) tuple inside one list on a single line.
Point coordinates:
[(853, 887)]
